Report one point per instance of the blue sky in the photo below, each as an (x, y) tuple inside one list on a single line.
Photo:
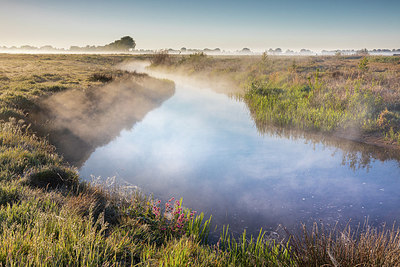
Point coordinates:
[(259, 25)]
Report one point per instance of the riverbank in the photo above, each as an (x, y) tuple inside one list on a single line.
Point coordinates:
[(356, 98), (49, 215)]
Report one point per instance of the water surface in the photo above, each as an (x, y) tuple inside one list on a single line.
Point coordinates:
[(204, 147)]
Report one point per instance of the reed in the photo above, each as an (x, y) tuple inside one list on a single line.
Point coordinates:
[(362, 246)]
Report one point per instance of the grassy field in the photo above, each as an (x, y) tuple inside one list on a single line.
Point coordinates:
[(355, 97), (24, 78), (48, 216)]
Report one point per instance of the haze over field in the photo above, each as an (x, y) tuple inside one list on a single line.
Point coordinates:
[(199, 133), (229, 25)]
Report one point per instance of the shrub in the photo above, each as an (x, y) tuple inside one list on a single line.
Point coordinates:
[(52, 177), (389, 119), (101, 77), (54, 88), (4, 78), (173, 221), (160, 57), (197, 56), (363, 64)]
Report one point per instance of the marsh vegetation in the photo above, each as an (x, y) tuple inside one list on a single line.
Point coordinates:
[(49, 215), (355, 97)]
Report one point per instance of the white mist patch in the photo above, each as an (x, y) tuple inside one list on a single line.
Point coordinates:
[(78, 121), (199, 81)]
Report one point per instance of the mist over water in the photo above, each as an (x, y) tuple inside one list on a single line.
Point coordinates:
[(204, 147), (78, 121)]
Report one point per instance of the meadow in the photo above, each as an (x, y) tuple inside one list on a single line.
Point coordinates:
[(50, 217)]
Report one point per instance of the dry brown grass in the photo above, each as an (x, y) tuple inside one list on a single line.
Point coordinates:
[(32, 72), (337, 73), (364, 246), (162, 57), (92, 202)]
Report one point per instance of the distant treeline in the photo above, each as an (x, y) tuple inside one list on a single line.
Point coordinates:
[(125, 44)]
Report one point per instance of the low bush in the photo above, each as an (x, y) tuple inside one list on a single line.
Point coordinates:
[(101, 77), (51, 177), (161, 57)]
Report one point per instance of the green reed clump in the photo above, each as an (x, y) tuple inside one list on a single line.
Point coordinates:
[(229, 251), (363, 64), (182, 252), (253, 251), (198, 228)]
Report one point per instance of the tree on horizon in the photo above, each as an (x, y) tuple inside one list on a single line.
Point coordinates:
[(123, 44)]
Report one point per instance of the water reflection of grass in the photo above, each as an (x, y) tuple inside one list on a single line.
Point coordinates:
[(355, 155)]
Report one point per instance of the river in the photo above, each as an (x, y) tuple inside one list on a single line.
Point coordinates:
[(204, 147)]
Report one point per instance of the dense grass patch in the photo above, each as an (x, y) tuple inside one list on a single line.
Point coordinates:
[(312, 106)]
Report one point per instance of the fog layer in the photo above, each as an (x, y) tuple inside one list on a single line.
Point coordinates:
[(78, 121)]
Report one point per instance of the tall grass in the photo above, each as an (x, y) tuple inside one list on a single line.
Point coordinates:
[(199, 229), (161, 57), (254, 251), (363, 246), (311, 106)]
